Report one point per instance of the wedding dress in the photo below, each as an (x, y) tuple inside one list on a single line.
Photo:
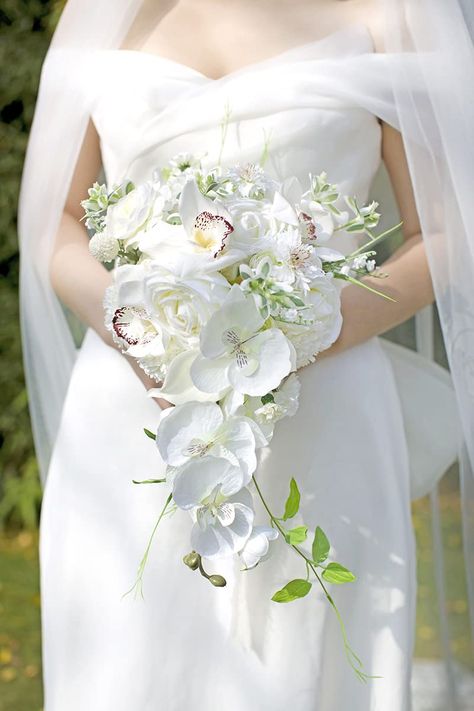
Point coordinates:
[(187, 645)]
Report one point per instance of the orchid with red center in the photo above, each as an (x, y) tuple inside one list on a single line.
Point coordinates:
[(135, 332), (207, 223)]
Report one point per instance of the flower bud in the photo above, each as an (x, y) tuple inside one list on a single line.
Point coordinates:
[(218, 581), (191, 560)]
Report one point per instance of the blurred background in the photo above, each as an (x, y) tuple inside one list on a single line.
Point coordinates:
[(26, 27)]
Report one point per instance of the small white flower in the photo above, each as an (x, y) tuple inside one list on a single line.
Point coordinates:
[(370, 266), (284, 403), (257, 545), (104, 247)]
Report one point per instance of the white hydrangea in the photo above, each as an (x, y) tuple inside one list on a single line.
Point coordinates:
[(322, 324)]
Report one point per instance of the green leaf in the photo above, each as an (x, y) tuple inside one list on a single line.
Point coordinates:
[(336, 573), (320, 550), (293, 501), (149, 434), (148, 481), (296, 535), (292, 591), (269, 397)]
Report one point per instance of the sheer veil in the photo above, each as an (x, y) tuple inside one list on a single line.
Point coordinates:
[(420, 85)]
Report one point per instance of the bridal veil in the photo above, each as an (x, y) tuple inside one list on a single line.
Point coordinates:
[(420, 85)]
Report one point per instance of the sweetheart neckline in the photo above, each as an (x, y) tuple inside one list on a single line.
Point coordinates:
[(359, 28)]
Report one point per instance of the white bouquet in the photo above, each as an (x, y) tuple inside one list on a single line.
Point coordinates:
[(223, 287)]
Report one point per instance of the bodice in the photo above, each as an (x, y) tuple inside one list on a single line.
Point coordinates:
[(287, 108)]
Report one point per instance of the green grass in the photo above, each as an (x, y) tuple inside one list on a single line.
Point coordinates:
[(20, 640)]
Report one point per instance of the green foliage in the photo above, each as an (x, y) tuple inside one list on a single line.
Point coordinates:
[(292, 591), (25, 32), (336, 573), (296, 535), (320, 549), (293, 501)]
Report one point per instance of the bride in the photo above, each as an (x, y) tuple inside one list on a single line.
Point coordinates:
[(285, 73)]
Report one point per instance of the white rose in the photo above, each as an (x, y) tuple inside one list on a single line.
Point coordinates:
[(251, 221), (131, 213), (183, 305)]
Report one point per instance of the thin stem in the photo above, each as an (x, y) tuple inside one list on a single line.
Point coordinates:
[(224, 127), (138, 584), (352, 657), (375, 240), (357, 282)]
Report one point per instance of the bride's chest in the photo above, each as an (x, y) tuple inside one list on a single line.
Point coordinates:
[(285, 115)]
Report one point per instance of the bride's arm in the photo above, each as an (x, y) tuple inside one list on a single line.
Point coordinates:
[(78, 279), (408, 281)]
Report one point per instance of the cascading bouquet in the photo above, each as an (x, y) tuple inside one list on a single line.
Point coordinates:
[(223, 287)]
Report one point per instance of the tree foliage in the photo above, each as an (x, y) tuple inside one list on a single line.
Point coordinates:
[(25, 31)]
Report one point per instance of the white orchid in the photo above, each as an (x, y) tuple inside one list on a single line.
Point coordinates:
[(136, 332), (222, 524), (257, 545), (200, 429), (197, 478), (236, 351), (207, 222)]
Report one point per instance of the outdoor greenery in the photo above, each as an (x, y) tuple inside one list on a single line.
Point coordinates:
[(25, 31)]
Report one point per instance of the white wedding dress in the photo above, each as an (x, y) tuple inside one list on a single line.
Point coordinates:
[(186, 645)]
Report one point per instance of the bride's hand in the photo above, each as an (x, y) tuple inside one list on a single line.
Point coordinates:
[(149, 383)]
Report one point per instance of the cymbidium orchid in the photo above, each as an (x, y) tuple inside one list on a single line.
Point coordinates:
[(207, 223), (137, 332)]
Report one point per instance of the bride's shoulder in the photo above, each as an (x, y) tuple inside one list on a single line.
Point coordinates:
[(370, 13)]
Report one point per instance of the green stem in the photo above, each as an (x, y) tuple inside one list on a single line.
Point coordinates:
[(138, 584), (352, 657), (357, 282), (375, 240)]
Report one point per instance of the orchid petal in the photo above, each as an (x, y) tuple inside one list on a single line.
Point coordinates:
[(186, 423), (178, 387), (196, 480)]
